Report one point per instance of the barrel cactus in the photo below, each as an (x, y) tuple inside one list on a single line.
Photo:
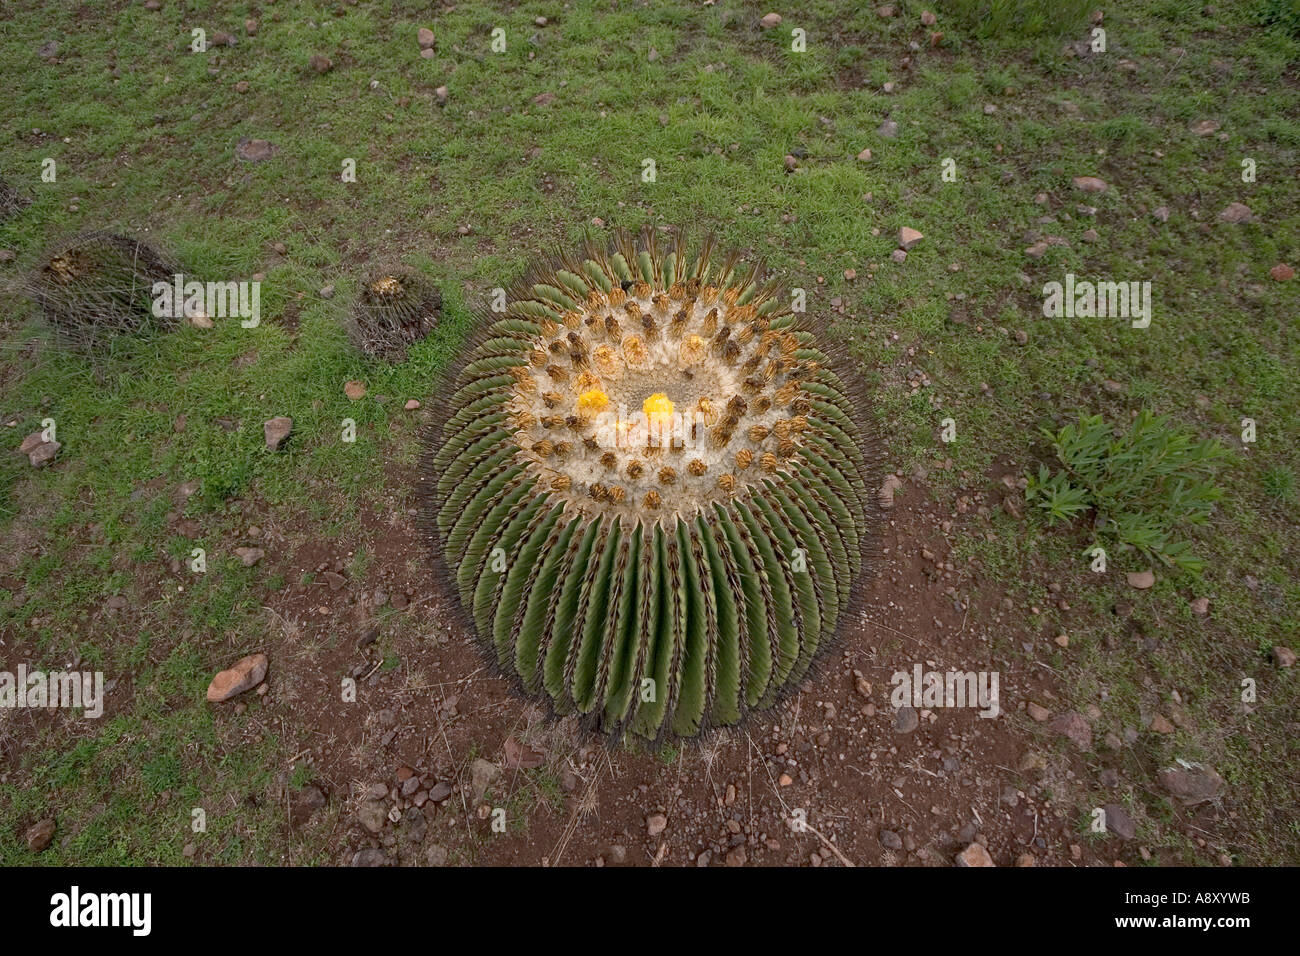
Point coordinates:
[(98, 285), (649, 488), (12, 201), (395, 308)]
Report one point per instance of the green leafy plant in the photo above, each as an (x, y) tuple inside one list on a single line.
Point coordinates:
[(1140, 485), (676, 568)]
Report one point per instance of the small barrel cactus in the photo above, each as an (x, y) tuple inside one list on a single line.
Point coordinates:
[(649, 488), (12, 201), (99, 285), (395, 308)]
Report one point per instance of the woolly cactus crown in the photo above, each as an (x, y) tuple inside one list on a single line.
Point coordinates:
[(649, 488)]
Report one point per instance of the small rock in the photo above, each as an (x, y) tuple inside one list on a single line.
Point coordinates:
[(424, 37), (370, 856), (928, 19), (1160, 724), (888, 129), (250, 556), (1283, 656), (241, 86), (250, 27), (865, 155), (770, 21), (354, 390), (1038, 712), (1119, 822), (1037, 250), (1026, 860), (327, 292), (1194, 784), (276, 431), (974, 855), (1281, 273), (908, 238), (1236, 213), (1200, 606), (1141, 579), (440, 791), (1161, 213), (906, 720), (411, 405), (891, 840), (321, 64), (245, 675), (1205, 127), (521, 756), (39, 452), (1090, 184), (436, 855), (481, 774), (885, 498), (442, 93), (898, 256), (254, 150), (372, 815), (655, 824), (736, 857), (39, 835), (1073, 725)]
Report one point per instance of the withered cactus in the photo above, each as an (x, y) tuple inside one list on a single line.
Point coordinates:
[(99, 285), (649, 488), (395, 308), (12, 201)]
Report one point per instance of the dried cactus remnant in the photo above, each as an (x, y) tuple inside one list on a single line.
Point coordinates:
[(650, 488), (395, 308), (99, 285)]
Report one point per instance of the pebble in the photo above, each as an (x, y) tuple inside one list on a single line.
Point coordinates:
[(39, 835), (1236, 213), (974, 855), (906, 720), (276, 431), (1090, 184), (250, 556), (246, 674), (1141, 579)]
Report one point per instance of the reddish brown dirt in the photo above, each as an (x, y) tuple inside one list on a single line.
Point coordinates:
[(429, 705)]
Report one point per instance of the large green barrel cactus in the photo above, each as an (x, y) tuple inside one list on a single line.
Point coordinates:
[(649, 488)]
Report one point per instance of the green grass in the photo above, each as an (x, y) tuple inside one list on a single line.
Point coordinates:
[(144, 132)]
